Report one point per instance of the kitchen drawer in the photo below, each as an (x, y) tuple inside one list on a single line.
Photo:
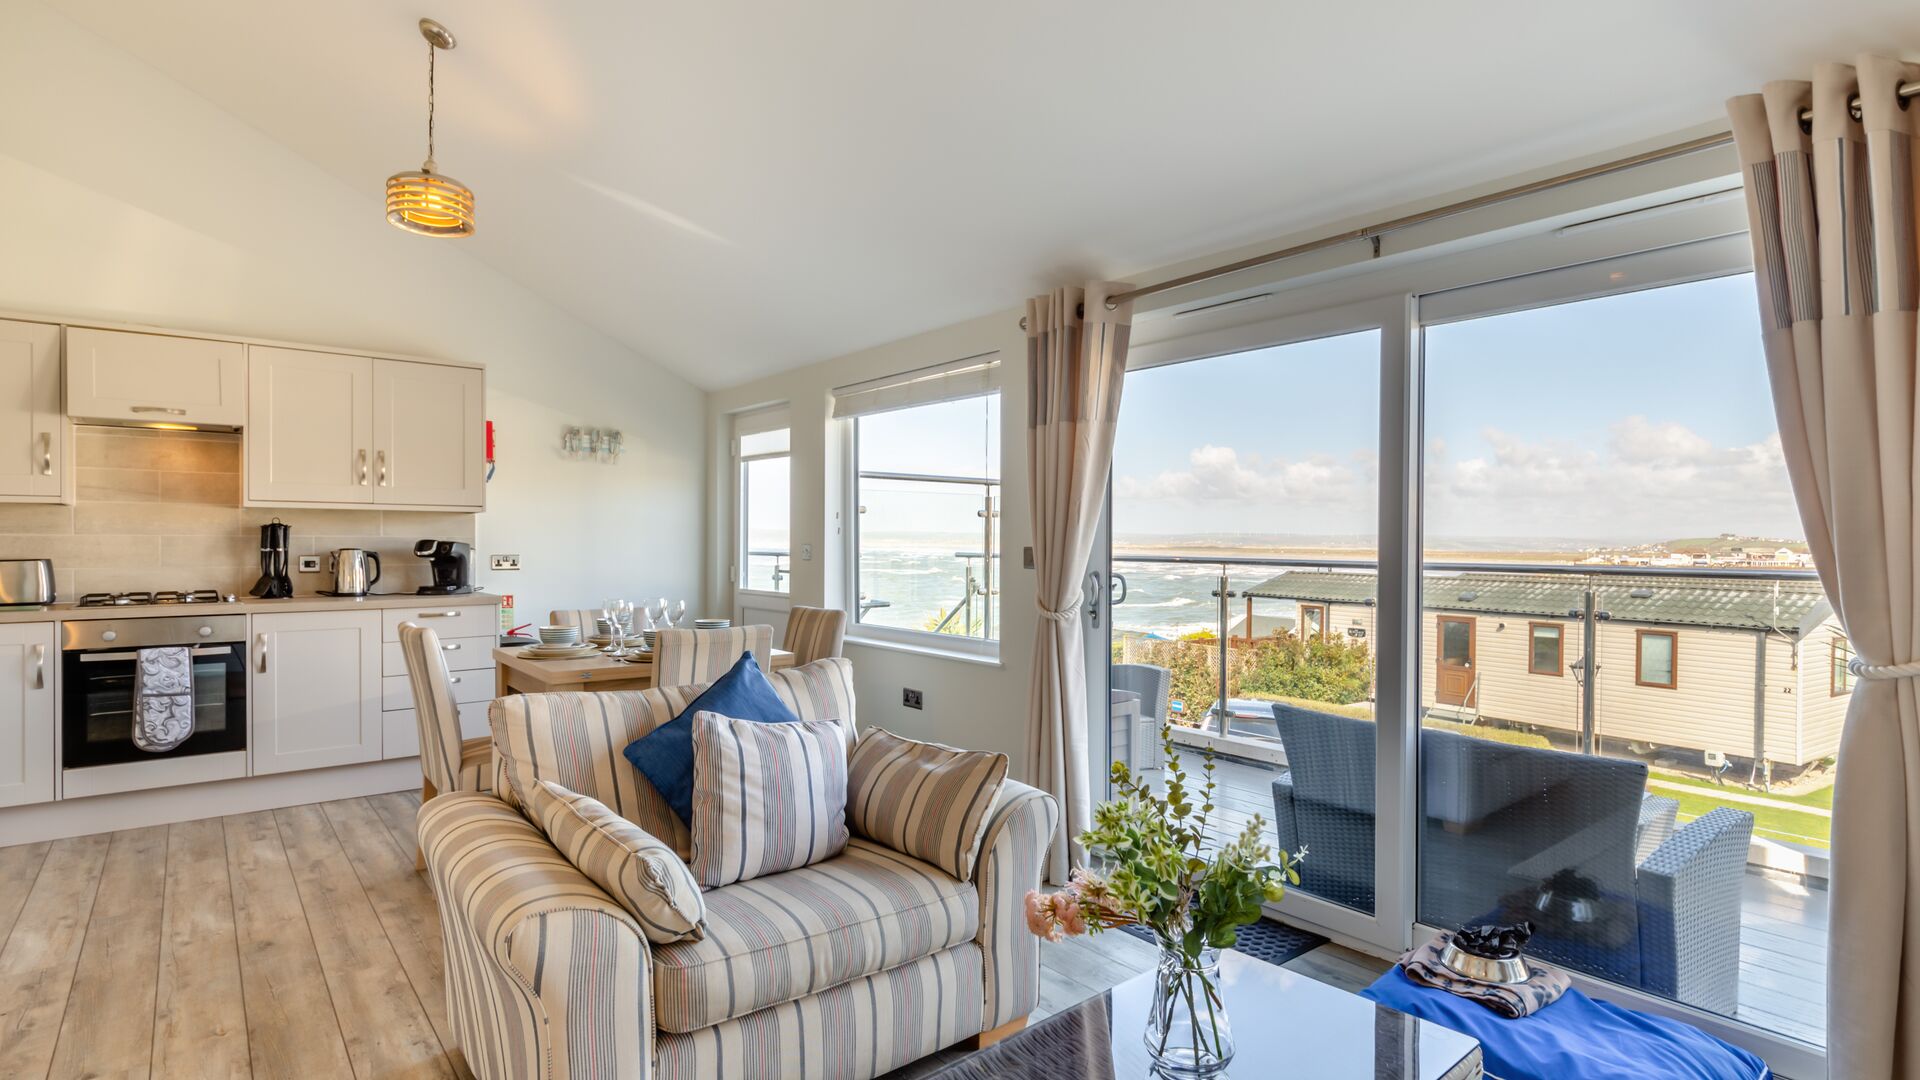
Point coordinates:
[(396, 691), (402, 735), (463, 654), (448, 619)]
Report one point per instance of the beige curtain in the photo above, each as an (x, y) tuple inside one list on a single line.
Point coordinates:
[(1075, 363), (1832, 208)]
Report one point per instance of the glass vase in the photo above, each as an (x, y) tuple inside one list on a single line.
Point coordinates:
[(1187, 1030)]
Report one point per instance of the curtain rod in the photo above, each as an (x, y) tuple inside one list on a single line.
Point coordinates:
[(1375, 231)]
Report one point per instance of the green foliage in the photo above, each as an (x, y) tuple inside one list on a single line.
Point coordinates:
[(1334, 670), (1158, 873)]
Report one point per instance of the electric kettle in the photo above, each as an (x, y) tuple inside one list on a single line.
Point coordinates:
[(350, 569)]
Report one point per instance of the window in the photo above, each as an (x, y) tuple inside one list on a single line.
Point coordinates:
[(763, 561), (1544, 654), (1313, 621), (1657, 659), (926, 506), (1839, 678)]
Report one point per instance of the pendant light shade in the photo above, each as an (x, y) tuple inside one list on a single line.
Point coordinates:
[(426, 202)]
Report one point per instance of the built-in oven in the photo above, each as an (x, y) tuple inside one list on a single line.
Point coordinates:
[(99, 667)]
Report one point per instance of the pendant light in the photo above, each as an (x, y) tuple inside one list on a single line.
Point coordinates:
[(426, 202)]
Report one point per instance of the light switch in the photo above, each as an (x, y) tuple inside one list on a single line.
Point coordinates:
[(806, 552)]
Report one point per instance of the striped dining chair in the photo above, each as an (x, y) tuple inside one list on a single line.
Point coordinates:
[(814, 633), (684, 657), (447, 762)]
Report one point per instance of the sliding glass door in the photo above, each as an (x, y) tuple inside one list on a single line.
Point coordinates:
[(1243, 597), (1632, 685)]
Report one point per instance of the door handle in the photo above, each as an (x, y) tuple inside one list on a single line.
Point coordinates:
[(1116, 581), (46, 453), (380, 458), (1094, 588), (39, 667), (263, 654), (363, 468), (156, 409)]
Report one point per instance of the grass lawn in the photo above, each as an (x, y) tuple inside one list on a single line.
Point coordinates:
[(1822, 797), (1774, 823)]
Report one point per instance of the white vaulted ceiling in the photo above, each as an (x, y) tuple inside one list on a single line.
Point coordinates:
[(733, 188)]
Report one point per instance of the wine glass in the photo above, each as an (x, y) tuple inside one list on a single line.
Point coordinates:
[(679, 611), (610, 611)]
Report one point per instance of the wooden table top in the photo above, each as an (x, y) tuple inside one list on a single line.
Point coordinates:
[(592, 668)]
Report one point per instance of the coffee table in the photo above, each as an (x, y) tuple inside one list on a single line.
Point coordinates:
[(1284, 1025)]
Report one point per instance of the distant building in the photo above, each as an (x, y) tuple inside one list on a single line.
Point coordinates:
[(1748, 669)]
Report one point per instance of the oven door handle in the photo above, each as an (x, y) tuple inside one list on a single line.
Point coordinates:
[(39, 667), (205, 650)]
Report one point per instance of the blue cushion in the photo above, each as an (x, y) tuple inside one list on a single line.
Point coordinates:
[(665, 754), (1575, 1038)]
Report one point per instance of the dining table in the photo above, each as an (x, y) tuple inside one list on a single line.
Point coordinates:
[(520, 674)]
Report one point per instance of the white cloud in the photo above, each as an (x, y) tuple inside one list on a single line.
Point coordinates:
[(1219, 473)]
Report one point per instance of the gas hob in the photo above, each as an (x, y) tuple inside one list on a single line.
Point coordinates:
[(164, 596)]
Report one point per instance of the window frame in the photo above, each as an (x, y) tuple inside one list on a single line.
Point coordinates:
[(1320, 634), (1640, 636), (952, 646), (1840, 680), (1559, 648), (742, 523)]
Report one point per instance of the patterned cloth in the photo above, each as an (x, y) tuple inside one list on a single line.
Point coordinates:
[(923, 799), (641, 873), (783, 937), (163, 698), (1543, 987), (766, 797), (701, 656), (814, 633), (444, 757)]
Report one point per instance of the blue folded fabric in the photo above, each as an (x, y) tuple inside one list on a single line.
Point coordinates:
[(1575, 1038), (665, 754)]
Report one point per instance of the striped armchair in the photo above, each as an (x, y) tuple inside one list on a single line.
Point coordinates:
[(855, 966), (683, 657)]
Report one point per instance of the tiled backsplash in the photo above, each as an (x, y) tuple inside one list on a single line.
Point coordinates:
[(161, 510)]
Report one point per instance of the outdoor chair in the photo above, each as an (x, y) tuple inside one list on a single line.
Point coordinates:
[(1152, 685)]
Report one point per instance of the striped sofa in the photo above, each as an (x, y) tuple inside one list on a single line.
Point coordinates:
[(845, 969)]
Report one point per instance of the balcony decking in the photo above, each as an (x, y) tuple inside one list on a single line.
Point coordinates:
[(1783, 949)]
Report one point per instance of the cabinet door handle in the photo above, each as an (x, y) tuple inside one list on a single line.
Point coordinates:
[(156, 409), (46, 453), (453, 678), (263, 654), (381, 458), (39, 667), (363, 468), (439, 614), (451, 646)]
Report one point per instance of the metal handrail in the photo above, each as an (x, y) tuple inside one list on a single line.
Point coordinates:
[(1567, 569)]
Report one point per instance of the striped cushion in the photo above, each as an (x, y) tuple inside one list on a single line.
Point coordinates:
[(853, 1032), (822, 690), (766, 797), (638, 871), (783, 937), (926, 800)]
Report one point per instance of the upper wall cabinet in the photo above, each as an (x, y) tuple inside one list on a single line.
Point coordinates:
[(120, 376), (327, 429), (34, 447)]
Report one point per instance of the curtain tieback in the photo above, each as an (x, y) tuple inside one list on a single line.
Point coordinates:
[(1065, 614), (1861, 669)]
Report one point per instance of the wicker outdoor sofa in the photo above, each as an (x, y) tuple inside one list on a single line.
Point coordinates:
[(1570, 842)]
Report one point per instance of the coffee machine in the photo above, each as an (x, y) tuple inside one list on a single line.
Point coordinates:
[(275, 542), (452, 566)]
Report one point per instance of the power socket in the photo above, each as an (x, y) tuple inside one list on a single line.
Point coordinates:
[(911, 699), (309, 564), (503, 562)]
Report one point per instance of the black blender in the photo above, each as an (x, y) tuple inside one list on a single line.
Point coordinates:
[(275, 540)]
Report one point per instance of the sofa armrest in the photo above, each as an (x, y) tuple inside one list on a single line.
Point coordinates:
[(1013, 855), (546, 975), (1689, 893)]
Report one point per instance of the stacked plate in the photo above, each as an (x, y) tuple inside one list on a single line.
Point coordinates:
[(712, 624), (559, 635), (563, 651), (650, 636)]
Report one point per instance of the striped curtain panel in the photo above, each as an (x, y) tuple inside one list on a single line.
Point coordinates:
[(1076, 358), (1831, 204)]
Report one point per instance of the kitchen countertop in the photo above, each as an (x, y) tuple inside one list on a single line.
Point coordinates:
[(244, 605)]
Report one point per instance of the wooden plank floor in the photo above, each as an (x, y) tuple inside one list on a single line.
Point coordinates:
[(296, 943)]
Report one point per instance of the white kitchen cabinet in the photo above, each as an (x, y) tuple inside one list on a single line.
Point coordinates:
[(27, 714), (328, 429), (34, 446), (120, 375), (315, 698), (429, 435), (309, 433)]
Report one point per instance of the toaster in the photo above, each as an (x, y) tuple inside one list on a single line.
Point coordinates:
[(26, 582)]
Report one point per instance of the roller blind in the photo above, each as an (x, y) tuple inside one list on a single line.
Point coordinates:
[(762, 431), (967, 377)]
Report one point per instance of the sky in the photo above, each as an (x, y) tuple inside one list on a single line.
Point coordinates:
[(1626, 419)]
